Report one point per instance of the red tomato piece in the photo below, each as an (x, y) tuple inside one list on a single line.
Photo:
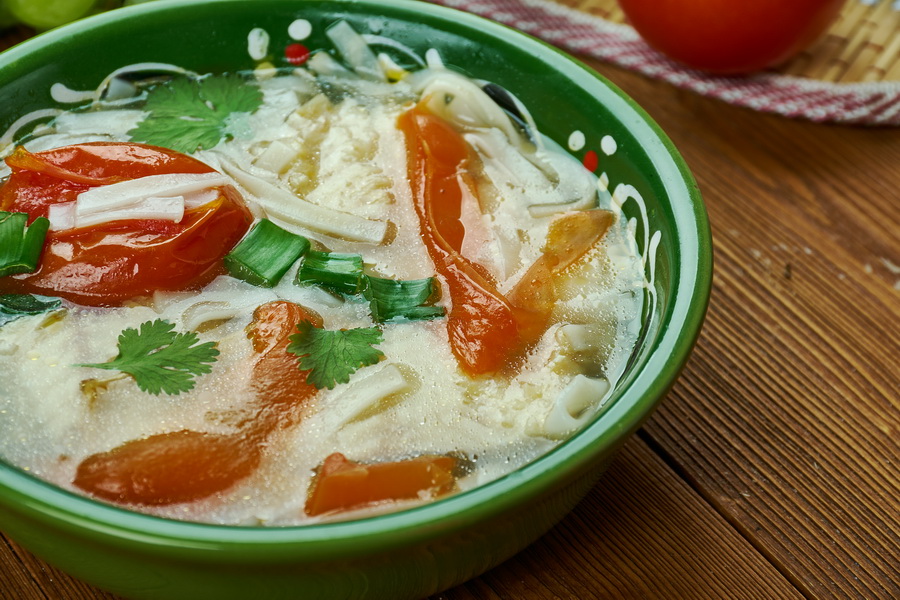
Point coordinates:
[(570, 237), (728, 36), (169, 468), (341, 484), (108, 264), (482, 325), (186, 466), (278, 383), (487, 331)]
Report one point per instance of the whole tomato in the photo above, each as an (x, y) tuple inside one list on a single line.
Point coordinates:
[(731, 36)]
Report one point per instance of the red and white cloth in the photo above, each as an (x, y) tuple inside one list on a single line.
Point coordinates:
[(876, 103)]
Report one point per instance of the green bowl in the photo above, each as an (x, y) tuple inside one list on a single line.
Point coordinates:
[(416, 552)]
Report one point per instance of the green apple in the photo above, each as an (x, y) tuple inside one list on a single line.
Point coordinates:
[(46, 14)]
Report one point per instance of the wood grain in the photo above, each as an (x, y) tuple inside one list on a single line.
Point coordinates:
[(787, 420), (640, 533)]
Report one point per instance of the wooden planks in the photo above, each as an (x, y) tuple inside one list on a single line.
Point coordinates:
[(641, 533), (788, 419), (23, 576)]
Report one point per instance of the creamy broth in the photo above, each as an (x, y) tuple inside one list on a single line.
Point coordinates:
[(331, 139)]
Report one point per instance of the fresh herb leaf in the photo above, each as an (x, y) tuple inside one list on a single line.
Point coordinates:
[(14, 306), (159, 359), (189, 114), (333, 356), (21, 244)]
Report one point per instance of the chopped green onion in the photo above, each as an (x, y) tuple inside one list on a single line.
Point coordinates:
[(21, 245), (342, 273), (390, 299), (27, 304), (265, 254), (14, 306)]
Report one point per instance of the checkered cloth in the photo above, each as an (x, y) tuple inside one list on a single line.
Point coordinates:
[(876, 103)]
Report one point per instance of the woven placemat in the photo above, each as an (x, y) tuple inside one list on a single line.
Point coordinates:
[(851, 75)]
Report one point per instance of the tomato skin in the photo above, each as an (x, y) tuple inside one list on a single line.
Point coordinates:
[(729, 36), (187, 466), (278, 383), (168, 468), (109, 264), (570, 237), (488, 331), (482, 326), (341, 484)]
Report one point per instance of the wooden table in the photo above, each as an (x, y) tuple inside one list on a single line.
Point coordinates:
[(772, 469)]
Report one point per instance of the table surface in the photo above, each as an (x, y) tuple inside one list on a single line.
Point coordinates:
[(772, 468)]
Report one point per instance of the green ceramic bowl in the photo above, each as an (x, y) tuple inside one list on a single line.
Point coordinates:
[(416, 552)]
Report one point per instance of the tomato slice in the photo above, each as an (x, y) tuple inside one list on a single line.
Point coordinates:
[(186, 466), (341, 484), (487, 331), (108, 264), (570, 237), (169, 468), (278, 383), (482, 325)]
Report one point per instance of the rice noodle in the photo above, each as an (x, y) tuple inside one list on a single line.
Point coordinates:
[(354, 49), (287, 207)]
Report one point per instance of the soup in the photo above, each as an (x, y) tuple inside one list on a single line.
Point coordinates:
[(295, 295)]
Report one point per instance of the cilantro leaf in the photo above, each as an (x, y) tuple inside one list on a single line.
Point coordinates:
[(332, 356), (159, 359), (189, 114)]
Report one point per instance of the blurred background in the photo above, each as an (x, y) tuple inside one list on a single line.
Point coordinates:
[(40, 15)]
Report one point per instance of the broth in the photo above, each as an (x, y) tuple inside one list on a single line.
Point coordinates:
[(356, 157)]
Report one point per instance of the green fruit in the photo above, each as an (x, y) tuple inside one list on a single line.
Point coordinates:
[(46, 14), (6, 17)]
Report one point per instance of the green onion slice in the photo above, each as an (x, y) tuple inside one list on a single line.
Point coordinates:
[(14, 306), (265, 254), (342, 273), (21, 244), (390, 299)]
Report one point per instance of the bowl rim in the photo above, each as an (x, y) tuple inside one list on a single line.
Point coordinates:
[(634, 404)]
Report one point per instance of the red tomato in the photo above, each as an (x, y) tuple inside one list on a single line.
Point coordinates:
[(483, 327), (185, 465), (108, 264), (731, 36), (341, 484)]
